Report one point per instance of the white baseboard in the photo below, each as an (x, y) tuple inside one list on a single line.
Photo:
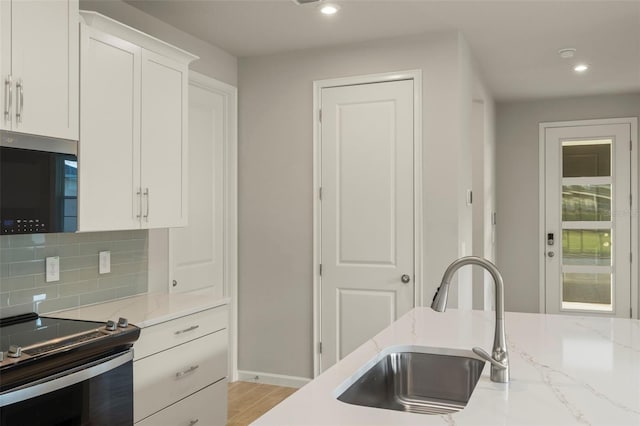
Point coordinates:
[(272, 379)]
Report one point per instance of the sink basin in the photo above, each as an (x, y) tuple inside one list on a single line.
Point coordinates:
[(418, 380)]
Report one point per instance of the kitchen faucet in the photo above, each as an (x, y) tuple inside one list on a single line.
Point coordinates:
[(499, 358)]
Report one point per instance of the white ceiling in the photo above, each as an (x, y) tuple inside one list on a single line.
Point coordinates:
[(515, 42)]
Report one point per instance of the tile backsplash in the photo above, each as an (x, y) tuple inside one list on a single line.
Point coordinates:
[(22, 270)]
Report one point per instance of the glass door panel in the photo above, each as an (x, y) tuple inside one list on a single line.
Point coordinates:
[(586, 265), (586, 202)]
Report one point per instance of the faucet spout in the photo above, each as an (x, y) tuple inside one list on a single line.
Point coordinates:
[(499, 357)]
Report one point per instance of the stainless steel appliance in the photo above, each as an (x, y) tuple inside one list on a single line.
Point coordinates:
[(58, 372), (38, 184)]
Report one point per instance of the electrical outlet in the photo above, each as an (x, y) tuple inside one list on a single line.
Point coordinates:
[(53, 269), (105, 262)]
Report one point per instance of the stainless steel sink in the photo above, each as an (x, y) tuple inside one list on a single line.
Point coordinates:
[(419, 382)]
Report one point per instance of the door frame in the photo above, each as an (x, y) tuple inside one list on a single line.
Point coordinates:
[(229, 94), (633, 124), (318, 85)]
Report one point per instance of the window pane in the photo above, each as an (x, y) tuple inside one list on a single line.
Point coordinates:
[(586, 247), (586, 158), (586, 288), (586, 202)]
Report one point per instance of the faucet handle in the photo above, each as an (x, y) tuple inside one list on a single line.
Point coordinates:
[(484, 355)]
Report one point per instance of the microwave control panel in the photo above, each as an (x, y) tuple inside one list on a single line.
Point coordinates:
[(23, 226)]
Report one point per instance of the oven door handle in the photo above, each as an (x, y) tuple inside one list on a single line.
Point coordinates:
[(64, 379)]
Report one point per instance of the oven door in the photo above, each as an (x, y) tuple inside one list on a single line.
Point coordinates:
[(99, 393)]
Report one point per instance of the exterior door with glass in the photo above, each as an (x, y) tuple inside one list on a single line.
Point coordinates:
[(588, 218)]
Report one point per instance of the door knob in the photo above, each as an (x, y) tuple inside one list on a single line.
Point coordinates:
[(405, 278), (551, 254)]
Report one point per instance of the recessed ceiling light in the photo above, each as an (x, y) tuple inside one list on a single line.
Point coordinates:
[(329, 9), (581, 68)]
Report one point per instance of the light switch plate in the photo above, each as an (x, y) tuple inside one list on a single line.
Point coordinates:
[(105, 262), (53, 269)]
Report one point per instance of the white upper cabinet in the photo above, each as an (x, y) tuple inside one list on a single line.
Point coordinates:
[(39, 67), (133, 139), (109, 147), (164, 140)]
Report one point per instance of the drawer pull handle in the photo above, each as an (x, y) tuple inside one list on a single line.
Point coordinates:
[(187, 371), (193, 327), (193, 422)]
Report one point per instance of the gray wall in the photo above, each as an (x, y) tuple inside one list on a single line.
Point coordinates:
[(275, 182), (22, 266), (213, 61), (517, 172)]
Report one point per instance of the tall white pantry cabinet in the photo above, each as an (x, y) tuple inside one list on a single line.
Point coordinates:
[(39, 67), (133, 128)]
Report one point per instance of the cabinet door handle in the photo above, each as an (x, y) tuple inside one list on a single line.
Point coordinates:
[(139, 195), (193, 327), (8, 98), (19, 100), (193, 422), (187, 371), (146, 194)]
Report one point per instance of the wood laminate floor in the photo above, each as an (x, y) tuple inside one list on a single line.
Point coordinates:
[(248, 401)]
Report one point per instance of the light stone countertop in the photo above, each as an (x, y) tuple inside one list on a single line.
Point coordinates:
[(565, 370), (147, 309)]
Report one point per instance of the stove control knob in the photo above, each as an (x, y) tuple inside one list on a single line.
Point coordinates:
[(111, 326), (14, 351), (123, 322)]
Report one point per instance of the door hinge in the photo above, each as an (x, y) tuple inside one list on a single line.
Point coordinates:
[(631, 199), (630, 145), (630, 312), (320, 115), (320, 347), (631, 257), (320, 193), (321, 269)]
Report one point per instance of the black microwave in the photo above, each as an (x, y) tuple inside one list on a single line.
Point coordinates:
[(38, 185)]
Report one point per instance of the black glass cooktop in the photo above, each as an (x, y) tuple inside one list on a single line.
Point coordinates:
[(35, 347), (30, 329)]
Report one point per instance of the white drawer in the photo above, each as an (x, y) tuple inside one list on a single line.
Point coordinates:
[(207, 407), (167, 377), (180, 330)]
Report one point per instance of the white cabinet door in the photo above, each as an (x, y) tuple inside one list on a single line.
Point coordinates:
[(6, 93), (174, 374), (207, 407), (197, 250), (44, 67), (109, 147), (164, 141)]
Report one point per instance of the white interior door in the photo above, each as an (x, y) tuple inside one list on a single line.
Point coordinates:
[(197, 249), (588, 220), (367, 221)]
